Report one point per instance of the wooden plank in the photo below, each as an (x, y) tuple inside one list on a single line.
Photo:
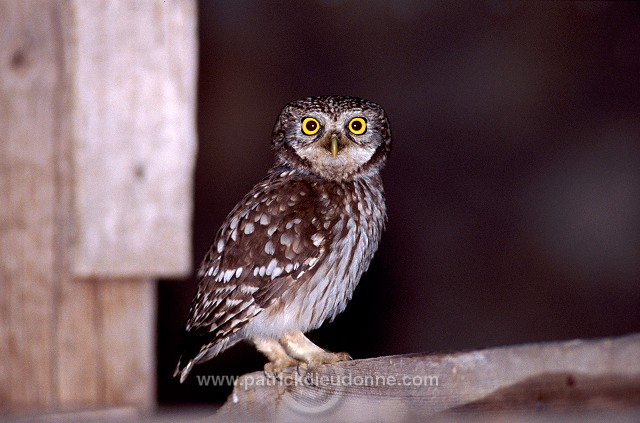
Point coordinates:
[(74, 347), (572, 375), (127, 332), (70, 342), (106, 334), (78, 344), (134, 79), (29, 87), (106, 343)]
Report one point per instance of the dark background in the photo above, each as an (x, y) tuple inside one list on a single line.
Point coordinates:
[(513, 188)]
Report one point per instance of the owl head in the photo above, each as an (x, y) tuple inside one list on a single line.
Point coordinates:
[(334, 137)]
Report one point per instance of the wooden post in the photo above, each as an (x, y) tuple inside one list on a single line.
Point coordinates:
[(97, 148)]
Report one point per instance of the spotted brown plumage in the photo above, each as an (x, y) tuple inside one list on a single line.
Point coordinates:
[(289, 255)]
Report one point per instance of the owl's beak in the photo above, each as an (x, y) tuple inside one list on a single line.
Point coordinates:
[(334, 145)]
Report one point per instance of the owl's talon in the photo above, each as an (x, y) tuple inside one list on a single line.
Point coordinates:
[(315, 360), (271, 372), (301, 368), (310, 377), (274, 368), (307, 371), (343, 356)]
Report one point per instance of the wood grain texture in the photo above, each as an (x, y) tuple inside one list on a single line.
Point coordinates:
[(552, 377), (29, 87), (128, 311), (134, 78), (67, 341)]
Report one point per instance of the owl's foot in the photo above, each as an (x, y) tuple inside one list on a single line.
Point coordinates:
[(314, 360), (274, 368), (309, 355), (295, 349), (278, 358), (309, 366)]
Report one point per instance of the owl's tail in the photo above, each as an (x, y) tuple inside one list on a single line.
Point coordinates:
[(197, 348), (183, 369)]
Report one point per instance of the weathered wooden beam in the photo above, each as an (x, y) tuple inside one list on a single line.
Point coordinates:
[(527, 378), (133, 68), (30, 94), (128, 310), (97, 146)]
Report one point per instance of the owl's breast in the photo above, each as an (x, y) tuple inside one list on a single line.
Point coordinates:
[(349, 219), (355, 239)]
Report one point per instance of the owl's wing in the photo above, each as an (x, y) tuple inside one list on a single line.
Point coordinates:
[(267, 246)]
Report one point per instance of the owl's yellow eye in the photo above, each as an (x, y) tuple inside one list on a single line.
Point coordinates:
[(358, 126), (310, 126)]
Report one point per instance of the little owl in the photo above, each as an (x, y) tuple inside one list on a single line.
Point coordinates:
[(290, 254)]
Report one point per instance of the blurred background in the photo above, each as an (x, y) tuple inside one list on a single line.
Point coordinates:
[(513, 188)]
